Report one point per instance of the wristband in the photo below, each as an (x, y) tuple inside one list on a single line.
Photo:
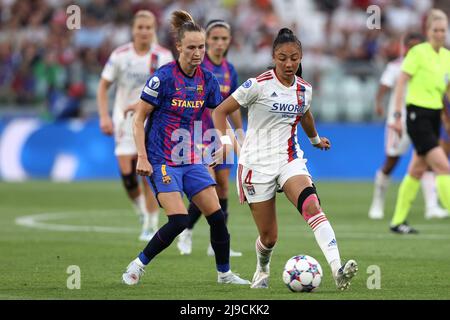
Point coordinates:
[(225, 140), (314, 140)]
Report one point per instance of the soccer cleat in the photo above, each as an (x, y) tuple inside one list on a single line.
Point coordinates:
[(146, 235), (260, 280), (133, 274), (436, 213), (376, 212), (210, 252), (345, 274), (403, 228), (184, 243), (230, 277)]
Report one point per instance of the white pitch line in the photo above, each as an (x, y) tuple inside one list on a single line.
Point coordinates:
[(35, 221)]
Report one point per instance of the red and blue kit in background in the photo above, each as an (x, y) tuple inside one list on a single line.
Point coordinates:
[(179, 102), (444, 134), (228, 80)]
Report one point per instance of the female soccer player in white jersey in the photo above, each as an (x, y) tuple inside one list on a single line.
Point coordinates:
[(271, 159), (397, 145), (129, 66)]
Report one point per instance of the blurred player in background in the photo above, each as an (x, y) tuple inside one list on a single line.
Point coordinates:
[(271, 158), (174, 100), (130, 66), (397, 145), (218, 39), (426, 71)]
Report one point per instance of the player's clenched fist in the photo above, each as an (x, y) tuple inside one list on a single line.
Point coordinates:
[(143, 167)]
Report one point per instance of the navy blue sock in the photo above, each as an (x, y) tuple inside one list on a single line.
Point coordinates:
[(194, 213), (224, 206), (220, 240), (164, 237)]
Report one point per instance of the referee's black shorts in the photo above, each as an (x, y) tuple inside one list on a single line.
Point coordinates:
[(424, 126)]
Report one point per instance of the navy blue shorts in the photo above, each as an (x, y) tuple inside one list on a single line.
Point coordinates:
[(222, 167), (188, 179)]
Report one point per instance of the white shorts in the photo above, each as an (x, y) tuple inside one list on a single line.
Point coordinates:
[(254, 186), (394, 144), (123, 136)]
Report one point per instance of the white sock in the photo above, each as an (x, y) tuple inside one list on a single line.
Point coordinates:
[(154, 219), (326, 239), (428, 182), (263, 256), (381, 184), (140, 205)]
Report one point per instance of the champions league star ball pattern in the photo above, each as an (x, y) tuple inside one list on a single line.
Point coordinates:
[(302, 274)]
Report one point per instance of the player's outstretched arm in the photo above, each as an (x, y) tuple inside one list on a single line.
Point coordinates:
[(309, 127), (379, 98), (399, 98), (143, 166), (106, 124)]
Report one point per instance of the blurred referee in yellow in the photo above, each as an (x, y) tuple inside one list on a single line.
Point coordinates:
[(425, 71)]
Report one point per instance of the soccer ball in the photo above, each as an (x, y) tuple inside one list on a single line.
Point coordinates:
[(302, 274)]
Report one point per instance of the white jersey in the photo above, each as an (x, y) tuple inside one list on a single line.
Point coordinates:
[(274, 112), (130, 71), (389, 79)]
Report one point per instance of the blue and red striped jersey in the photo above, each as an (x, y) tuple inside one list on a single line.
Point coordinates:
[(172, 129)]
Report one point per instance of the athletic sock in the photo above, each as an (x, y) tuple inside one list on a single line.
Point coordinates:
[(443, 188), (220, 240), (224, 206), (406, 195), (263, 256), (326, 239), (164, 237), (153, 220), (381, 184), (194, 214), (140, 206), (430, 196)]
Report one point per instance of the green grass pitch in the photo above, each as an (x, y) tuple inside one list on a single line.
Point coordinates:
[(91, 225)]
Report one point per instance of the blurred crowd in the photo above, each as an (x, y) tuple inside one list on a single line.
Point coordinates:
[(43, 62)]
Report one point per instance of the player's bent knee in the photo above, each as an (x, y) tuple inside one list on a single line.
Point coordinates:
[(130, 181), (180, 221), (268, 240), (308, 203)]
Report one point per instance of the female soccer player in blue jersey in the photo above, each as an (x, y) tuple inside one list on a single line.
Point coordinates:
[(218, 39), (172, 101)]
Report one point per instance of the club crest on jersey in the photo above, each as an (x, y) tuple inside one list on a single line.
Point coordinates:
[(199, 88), (154, 83), (227, 76), (300, 97), (247, 84)]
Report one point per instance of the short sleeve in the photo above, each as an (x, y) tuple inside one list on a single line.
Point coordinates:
[(389, 76), (412, 61), (153, 90), (110, 70), (247, 93), (214, 96)]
